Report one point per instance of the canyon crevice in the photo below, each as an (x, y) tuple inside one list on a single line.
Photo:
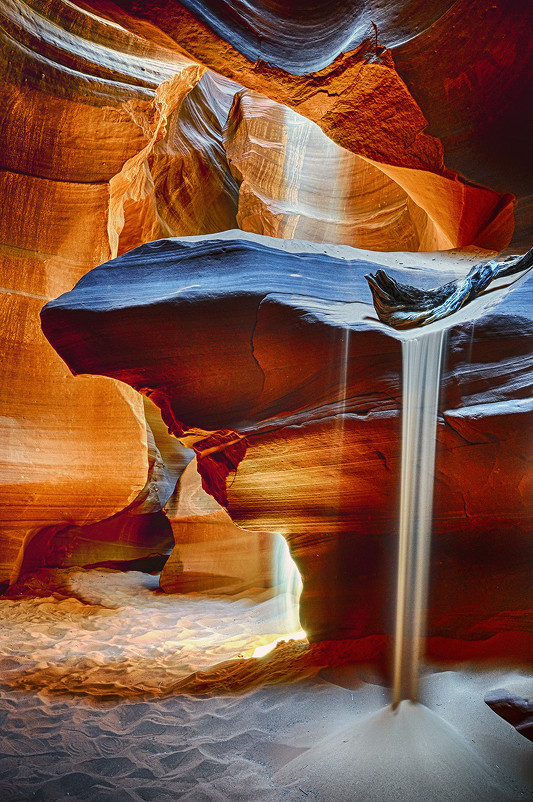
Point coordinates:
[(304, 439), (396, 128)]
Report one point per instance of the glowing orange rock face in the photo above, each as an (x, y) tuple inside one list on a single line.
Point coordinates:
[(114, 137), (470, 72), (266, 357), (213, 554), (361, 101), (466, 64), (295, 183), (76, 128)]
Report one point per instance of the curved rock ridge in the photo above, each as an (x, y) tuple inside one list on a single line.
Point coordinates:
[(297, 183), (280, 33), (194, 190), (139, 537), (243, 280), (212, 554), (61, 48), (466, 63), (83, 103), (266, 358)]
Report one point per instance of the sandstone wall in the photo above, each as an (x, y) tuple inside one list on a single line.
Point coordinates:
[(77, 121)]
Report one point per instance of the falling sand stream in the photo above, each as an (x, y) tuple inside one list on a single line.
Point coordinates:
[(405, 752), (421, 360)]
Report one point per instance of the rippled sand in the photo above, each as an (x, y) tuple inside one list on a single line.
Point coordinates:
[(122, 635), (92, 702)]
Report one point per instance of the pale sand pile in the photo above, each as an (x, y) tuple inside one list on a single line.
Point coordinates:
[(112, 743)]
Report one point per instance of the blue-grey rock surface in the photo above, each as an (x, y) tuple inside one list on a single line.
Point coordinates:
[(268, 357)]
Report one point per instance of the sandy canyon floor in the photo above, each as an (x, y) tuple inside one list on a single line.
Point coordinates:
[(100, 700)]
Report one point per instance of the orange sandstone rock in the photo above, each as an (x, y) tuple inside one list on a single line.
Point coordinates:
[(112, 136), (360, 102), (297, 183), (194, 190), (267, 358), (78, 121), (213, 554)]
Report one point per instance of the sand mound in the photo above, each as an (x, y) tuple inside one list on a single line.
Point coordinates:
[(123, 738), (407, 753)]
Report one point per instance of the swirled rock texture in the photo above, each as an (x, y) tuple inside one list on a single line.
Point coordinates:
[(297, 183), (123, 123), (194, 190), (363, 103), (294, 182), (77, 121), (212, 554), (465, 63), (280, 33), (476, 66), (266, 359)]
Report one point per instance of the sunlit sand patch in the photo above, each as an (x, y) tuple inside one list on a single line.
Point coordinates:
[(163, 703), (261, 651), (122, 636)]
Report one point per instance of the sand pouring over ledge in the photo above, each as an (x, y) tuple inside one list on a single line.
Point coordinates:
[(122, 124), (195, 319), (118, 739), (254, 414)]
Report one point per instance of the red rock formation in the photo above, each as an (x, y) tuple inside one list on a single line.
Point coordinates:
[(212, 554), (113, 136), (194, 190), (296, 183), (470, 72), (357, 98), (466, 64), (77, 123), (304, 437)]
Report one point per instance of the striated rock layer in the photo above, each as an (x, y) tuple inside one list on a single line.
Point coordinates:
[(78, 120), (470, 72), (465, 63), (118, 130), (194, 190), (266, 358), (211, 553), (295, 183)]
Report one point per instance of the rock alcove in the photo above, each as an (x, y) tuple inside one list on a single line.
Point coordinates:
[(215, 190)]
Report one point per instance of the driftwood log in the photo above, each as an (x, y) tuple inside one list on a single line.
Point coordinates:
[(405, 307)]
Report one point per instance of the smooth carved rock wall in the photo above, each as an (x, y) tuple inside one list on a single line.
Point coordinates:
[(304, 437), (280, 33), (297, 183), (194, 189), (112, 137), (358, 99), (139, 537), (470, 72), (466, 64), (77, 120), (213, 554)]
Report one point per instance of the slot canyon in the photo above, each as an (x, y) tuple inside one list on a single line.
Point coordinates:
[(266, 512)]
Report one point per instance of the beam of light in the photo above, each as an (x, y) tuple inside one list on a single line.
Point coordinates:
[(261, 651), (286, 578)]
